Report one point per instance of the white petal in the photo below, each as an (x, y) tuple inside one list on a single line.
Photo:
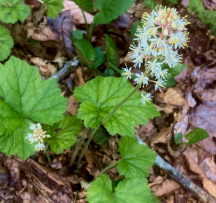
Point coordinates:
[(39, 125), (32, 126)]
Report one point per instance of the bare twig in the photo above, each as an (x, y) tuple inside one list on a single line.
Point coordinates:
[(181, 179), (69, 67)]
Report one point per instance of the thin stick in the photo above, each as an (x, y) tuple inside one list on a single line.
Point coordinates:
[(181, 179), (65, 71), (78, 147)]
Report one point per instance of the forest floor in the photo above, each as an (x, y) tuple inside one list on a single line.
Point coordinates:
[(190, 103)]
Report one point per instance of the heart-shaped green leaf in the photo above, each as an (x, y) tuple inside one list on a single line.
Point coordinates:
[(136, 158), (63, 134), (12, 10), (127, 191), (25, 98), (111, 9), (100, 96)]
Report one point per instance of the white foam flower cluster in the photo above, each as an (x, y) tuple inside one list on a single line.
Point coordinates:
[(37, 136), (157, 42)]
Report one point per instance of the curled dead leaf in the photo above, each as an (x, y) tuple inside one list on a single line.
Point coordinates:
[(174, 96), (209, 167), (209, 186), (43, 33), (77, 13), (165, 188)]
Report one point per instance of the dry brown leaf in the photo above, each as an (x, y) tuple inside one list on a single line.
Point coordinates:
[(46, 69), (43, 33), (158, 180), (174, 96), (205, 117), (209, 167), (165, 188), (84, 184), (191, 101), (203, 78), (181, 126), (168, 109), (50, 173), (77, 13), (89, 158), (210, 187), (80, 76), (72, 106), (193, 166), (162, 136)]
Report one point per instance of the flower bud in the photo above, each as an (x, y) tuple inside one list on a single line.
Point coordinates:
[(157, 18), (163, 21), (165, 32), (174, 25), (169, 20), (175, 17)]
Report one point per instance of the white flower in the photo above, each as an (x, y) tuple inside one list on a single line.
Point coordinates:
[(154, 66), (145, 98), (160, 83), (127, 72), (39, 146), (141, 79), (37, 136)]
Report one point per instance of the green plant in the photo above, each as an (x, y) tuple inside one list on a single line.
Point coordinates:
[(6, 43), (134, 166), (13, 11), (31, 109), (25, 98), (194, 136), (206, 16)]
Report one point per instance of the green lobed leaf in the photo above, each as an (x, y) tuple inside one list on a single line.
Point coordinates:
[(110, 10), (54, 7), (99, 97), (111, 51), (196, 6), (126, 191), (25, 98), (136, 160), (85, 5), (196, 135), (86, 51), (100, 190), (99, 58), (63, 134), (150, 3), (12, 10), (6, 43)]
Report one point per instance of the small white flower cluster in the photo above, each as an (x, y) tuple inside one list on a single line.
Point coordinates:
[(37, 136), (158, 41)]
